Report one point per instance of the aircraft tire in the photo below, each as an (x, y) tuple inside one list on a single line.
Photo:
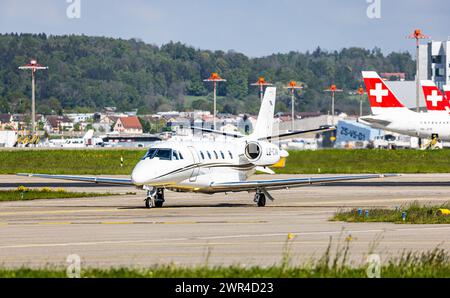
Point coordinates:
[(260, 200), (149, 202)]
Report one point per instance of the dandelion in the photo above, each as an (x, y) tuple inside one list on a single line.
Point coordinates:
[(22, 188), (290, 236)]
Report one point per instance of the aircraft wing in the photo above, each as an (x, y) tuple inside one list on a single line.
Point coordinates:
[(288, 183), (102, 180)]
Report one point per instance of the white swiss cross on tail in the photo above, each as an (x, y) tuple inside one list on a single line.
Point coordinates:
[(379, 92), (434, 98)]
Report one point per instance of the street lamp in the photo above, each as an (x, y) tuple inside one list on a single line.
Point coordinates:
[(261, 83), (332, 89), (292, 87), (417, 35), (215, 78), (361, 93), (33, 66)]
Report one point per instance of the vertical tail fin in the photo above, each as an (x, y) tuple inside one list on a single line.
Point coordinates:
[(380, 95), (264, 124), (433, 96), (447, 91)]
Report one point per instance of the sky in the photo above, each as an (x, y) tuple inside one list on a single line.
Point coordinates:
[(253, 27)]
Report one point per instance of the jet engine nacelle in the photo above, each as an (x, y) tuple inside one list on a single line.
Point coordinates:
[(262, 153)]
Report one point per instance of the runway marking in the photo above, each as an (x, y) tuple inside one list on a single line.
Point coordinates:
[(216, 237), (59, 211), (130, 223)]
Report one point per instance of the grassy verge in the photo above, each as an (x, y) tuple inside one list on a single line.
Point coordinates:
[(414, 214), (431, 264), (25, 194), (367, 161), (107, 161)]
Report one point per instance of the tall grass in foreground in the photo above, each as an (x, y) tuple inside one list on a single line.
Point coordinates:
[(434, 263), (413, 213)]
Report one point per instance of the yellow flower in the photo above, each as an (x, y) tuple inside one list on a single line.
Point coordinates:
[(22, 188), (290, 236), (60, 190), (46, 189), (349, 238)]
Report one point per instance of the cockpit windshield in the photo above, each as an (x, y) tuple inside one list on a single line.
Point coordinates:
[(163, 154)]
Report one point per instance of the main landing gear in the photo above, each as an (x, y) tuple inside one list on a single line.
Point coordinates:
[(260, 197), (155, 198)]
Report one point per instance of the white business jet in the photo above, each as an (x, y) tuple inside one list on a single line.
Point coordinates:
[(215, 166)]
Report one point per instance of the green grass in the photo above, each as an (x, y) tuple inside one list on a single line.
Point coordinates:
[(415, 214), (77, 162), (334, 161), (431, 264), (25, 194), (107, 161)]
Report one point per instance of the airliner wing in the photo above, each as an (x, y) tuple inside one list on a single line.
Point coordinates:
[(102, 180), (289, 183)]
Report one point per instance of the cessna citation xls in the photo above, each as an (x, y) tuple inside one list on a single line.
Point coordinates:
[(215, 166), (390, 114)]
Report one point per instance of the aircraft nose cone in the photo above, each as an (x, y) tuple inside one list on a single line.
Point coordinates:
[(140, 175)]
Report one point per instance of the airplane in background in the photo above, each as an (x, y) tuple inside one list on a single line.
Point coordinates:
[(216, 166), (447, 91), (390, 114), (86, 141), (435, 100)]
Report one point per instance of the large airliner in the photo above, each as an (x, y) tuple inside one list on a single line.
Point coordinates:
[(215, 166), (390, 114)]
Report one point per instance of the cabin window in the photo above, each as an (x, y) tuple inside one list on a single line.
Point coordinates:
[(164, 154), (231, 155), (202, 155), (209, 154), (215, 154), (181, 156), (223, 155)]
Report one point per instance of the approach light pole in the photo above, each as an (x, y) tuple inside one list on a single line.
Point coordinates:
[(215, 78), (332, 89), (292, 87), (417, 35), (361, 93), (33, 66), (261, 83)]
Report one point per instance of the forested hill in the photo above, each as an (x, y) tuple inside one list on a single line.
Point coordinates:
[(87, 73)]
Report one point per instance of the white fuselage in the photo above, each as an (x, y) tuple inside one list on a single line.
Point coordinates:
[(407, 122), (195, 165)]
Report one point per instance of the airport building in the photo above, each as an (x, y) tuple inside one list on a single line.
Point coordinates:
[(434, 62), (434, 65)]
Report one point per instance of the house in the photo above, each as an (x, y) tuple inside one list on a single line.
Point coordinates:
[(128, 125), (7, 123), (58, 124)]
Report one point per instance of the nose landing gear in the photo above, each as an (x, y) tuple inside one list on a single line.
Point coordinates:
[(155, 198)]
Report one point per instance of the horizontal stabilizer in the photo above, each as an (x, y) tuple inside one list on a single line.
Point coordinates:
[(292, 134), (218, 132)]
